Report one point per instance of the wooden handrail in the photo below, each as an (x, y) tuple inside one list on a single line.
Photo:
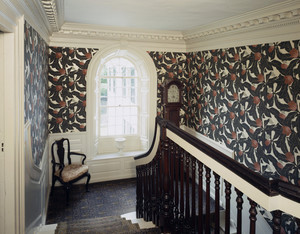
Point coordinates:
[(267, 186)]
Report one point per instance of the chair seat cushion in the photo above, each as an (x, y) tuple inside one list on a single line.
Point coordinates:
[(72, 171)]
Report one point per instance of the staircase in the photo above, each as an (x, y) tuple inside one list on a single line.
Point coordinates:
[(111, 224)]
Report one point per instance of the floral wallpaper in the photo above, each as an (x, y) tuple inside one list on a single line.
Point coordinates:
[(169, 65), (67, 88), (246, 97), (35, 89)]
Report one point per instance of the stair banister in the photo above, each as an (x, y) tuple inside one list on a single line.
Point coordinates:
[(270, 194), (165, 202)]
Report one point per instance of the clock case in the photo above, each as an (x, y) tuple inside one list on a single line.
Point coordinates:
[(171, 110)]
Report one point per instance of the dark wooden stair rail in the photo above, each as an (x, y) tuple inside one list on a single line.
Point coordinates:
[(169, 174)]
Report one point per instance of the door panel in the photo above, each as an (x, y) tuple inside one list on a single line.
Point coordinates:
[(2, 191)]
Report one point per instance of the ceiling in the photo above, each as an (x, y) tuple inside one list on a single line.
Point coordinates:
[(175, 15)]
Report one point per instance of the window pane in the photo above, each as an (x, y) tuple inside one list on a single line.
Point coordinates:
[(103, 101), (118, 101)]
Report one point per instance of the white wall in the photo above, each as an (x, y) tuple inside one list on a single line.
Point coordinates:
[(36, 186)]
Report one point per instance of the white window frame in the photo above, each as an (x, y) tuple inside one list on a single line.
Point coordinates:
[(148, 87)]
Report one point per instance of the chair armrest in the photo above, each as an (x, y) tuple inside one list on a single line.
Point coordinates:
[(79, 154)]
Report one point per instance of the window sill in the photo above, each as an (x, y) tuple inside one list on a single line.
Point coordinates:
[(117, 155)]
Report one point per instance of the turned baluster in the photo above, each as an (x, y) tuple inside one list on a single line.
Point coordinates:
[(217, 203), (160, 187), (200, 197), (227, 212), (166, 199), (181, 215), (176, 181), (176, 205), (239, 206), (150, 192), (207, 200), (277, 221), (153, 193), (298, 224), (139, 200), (172, 169), (193, 192), (146, 192), (187, 187), (157, 191), (252, 216)]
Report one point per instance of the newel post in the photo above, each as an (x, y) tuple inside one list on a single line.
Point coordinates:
[(166, 199)]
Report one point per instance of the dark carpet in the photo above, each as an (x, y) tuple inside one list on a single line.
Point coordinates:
[(112, 198)]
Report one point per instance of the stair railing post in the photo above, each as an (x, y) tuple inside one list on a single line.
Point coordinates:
[(252, 216), (166, 200), (277, 221)]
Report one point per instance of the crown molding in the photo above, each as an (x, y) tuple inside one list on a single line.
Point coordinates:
[(33, 12), (54, 10), (94, 35), (8, 16), (277, 22)]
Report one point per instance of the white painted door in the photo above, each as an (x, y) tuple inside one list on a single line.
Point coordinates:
[(2, 191)]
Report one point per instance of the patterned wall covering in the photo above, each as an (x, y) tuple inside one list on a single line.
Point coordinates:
[(36, 87), (173, 65), (247, 98), (67, 88)]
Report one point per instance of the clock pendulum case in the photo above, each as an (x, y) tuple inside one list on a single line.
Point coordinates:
[(172, 99)]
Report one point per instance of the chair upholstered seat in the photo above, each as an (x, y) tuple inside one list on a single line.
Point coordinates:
[(72, 171)]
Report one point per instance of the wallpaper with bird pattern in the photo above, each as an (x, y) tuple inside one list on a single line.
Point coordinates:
[(247, 98), (36, 89), (67, 88)]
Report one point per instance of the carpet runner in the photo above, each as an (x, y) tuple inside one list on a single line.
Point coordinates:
[(104, 225)]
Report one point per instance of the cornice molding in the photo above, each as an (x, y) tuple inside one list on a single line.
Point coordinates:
[(114, 33), (270, 24), (8, 16), (275, 23), (54, 10), (12, 10), (274, 20), (98, 36)]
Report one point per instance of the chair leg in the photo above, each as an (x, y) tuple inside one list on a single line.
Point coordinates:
[(67, 194), (87, 182), (53, 183)]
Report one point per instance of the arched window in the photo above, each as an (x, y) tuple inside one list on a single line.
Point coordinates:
[(121, 100)]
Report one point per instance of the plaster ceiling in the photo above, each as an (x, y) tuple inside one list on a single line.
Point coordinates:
[(176, 15)]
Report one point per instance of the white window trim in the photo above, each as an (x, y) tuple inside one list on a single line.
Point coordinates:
[(148, 78)]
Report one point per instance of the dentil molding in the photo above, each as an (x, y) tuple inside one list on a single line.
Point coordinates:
[(54, 10)]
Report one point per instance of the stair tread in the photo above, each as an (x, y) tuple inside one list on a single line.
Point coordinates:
[(111, 224)]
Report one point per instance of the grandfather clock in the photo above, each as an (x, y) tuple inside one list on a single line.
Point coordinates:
[(172, 99)]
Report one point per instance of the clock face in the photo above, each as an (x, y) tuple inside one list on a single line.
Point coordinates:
[(173, 94)]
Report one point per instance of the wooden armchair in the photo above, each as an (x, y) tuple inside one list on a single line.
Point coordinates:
[(68, 173)]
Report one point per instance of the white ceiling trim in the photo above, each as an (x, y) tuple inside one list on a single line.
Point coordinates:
[(270, 24), (276, 15), (8, 17), (54, 13), (82, 35), (104, 32), (12, 10)]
